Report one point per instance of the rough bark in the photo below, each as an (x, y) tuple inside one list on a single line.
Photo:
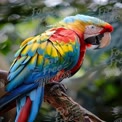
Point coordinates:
[(65, 105)]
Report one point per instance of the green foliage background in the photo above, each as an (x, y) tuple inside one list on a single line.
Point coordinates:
[(98, 84)]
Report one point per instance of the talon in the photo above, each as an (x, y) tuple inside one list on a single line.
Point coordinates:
[(56, 85)]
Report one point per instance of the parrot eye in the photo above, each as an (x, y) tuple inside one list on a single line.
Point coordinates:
[(92, 29), (92, 26)]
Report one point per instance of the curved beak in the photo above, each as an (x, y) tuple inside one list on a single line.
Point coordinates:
[(100, 41), (105, 41)]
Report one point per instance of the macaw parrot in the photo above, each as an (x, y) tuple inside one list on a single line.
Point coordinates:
[(43, 59)]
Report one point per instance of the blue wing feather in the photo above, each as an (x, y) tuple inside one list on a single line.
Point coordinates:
[(13, 74), (37, 99), (17, 64), (17, 93), (27, 59), (18, 79)]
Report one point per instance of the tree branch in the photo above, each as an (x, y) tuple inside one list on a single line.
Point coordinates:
[(65, 105), (68, 108)]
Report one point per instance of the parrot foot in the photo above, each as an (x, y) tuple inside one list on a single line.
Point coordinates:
[(56, 85)]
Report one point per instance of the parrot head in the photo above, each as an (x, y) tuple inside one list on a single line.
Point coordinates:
[(95, 32)]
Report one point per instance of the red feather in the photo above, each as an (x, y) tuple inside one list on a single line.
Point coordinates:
[(63, 35), (25, 111)]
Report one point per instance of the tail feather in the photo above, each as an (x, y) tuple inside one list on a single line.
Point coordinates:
[(23, 115), (36, 102), (28, 107), (28, 110), (6, 102), (29, 97)]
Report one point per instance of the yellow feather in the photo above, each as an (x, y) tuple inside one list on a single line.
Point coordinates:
[(76, 25), (26, 49), (34, 46), (37, 38), (26, 41), (44, 36), (60, 50), (33, 59), (40, 59), (43, 45), (48, 49), (70, 47), (64, 47), (54, 52)]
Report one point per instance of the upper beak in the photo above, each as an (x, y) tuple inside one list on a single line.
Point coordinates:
[(101, 40), (105, 41)]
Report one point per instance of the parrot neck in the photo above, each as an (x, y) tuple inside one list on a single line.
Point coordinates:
[(81, 56), (83, 47)]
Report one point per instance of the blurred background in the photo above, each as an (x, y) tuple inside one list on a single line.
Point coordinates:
[(98, 84)]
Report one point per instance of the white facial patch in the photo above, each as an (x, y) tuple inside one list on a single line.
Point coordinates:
[(92, 30)]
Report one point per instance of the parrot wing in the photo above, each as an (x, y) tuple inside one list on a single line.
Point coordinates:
[(43, 56)]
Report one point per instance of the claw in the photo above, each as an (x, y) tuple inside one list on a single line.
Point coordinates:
[(56, 85)]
